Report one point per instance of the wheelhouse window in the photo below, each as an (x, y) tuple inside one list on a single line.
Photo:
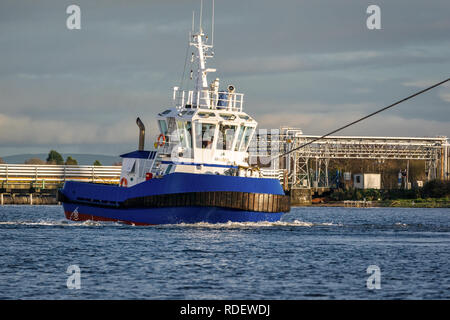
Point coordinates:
[(247, 136), (185, 133), (239, 138), (129, 165), (188, 129), (204, 135), (226, 137), (163, 127)]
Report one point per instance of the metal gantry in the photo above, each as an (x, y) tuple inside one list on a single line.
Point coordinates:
[(313, 159)]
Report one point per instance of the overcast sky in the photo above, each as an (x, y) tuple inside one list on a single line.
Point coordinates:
[(308, 64)]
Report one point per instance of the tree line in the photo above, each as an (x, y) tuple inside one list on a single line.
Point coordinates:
[(53, 158)]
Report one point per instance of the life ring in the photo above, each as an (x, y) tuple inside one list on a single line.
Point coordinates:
[(123, 182), (163, 141)]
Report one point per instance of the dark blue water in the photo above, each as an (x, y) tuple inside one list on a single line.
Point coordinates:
[(314, 253)]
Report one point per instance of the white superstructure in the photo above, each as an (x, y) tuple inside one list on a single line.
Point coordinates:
[(205, 131)]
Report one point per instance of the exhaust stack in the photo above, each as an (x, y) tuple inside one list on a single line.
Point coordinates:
[(141, 134)]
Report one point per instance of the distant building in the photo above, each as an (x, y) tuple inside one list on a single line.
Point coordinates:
[(367, 181), (347, 176)]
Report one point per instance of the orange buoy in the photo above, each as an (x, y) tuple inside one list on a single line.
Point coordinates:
[(161, 140)]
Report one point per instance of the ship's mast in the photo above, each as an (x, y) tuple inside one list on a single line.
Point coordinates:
[(201, 89)]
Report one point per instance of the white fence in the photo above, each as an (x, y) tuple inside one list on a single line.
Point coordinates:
[(22, 173), (273, 173)]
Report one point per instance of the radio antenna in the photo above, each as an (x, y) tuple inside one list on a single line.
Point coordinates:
[(201, 15), (212, 25)]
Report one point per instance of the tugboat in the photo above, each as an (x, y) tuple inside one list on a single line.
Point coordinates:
[(196, 171)]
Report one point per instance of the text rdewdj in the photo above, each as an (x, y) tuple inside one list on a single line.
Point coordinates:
[(228, 309)]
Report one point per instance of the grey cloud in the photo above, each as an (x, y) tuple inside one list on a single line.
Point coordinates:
[(313, 62), (339, 60)]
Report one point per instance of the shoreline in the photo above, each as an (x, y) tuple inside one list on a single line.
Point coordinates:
[(399, 203), (373, 204)]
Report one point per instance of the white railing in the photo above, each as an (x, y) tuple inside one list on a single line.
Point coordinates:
[(16, 173), (273, 173), (208, 99)]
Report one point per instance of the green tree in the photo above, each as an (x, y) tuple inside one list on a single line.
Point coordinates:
[(97, 163), (71, 161), (54, 158), (2, 161)]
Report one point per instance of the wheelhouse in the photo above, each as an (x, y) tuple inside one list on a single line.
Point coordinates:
[(207, 140)]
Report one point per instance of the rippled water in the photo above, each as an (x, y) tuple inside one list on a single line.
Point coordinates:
[(313, 253)]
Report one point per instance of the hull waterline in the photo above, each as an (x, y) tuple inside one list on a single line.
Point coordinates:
[(168, 215), (177, 198)]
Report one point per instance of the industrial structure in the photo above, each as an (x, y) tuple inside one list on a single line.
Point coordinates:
[(307, 167)]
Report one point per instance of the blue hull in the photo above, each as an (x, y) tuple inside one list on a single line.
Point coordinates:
[(170, 215), (88, 201)]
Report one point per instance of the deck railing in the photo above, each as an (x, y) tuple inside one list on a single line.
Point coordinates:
[(207, 99), (273, 173)]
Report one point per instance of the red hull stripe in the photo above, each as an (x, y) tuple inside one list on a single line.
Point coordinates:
[(88, 217)]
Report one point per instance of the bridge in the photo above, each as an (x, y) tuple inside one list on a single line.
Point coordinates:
[(308, 166)]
